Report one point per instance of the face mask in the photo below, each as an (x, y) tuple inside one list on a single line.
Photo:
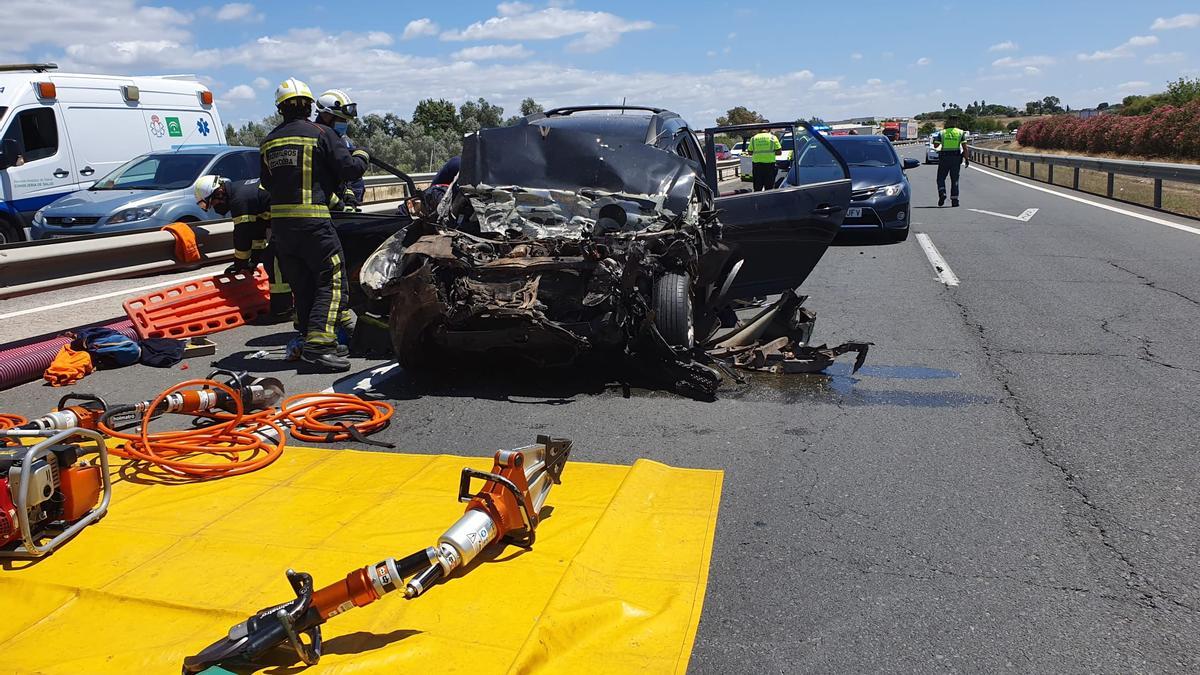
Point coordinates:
[(341, 128)]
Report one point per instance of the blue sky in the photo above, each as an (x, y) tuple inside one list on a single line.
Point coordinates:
[(785, 60)]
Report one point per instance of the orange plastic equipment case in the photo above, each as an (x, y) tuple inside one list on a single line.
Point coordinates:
[(200, 307)]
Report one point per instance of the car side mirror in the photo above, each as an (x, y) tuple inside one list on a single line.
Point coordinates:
[(910, 163), (9, 151)]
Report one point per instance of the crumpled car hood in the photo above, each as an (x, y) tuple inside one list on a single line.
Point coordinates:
[(555, 182)]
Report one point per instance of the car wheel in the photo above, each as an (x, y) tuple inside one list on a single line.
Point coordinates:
[(413, 320), (9, 233), (672, 305), (897, 235)]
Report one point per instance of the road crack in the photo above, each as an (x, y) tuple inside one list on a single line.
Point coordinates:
[(1145, 592), (1146, 281)]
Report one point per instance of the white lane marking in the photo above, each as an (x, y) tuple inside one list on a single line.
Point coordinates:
[(1024, 217), (944, 273), (102, 296), (1106, 207)]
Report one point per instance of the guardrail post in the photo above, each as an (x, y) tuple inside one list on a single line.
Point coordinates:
[(1050, 174), (1075, 180), (1006, 164), (1018, 167), (1033, 170), (1158, 193), (1110, 184)]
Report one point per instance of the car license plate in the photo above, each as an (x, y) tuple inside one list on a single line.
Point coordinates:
[(854, 213)]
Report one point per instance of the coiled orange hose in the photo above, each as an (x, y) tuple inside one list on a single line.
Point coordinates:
[(243, 443), (8, 421), (239, 443), (305, 414)]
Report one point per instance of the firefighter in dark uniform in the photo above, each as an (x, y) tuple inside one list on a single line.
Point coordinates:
[(302, 164), (335, 110), (248, 205)]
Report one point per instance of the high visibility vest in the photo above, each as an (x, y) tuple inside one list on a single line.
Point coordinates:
[(763, 147), (952, 139)]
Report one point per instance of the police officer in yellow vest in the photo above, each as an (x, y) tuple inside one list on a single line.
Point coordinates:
[(764, 147), (951, 144)]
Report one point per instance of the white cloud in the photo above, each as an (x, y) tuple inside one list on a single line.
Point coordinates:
[(88, 24), (856, 56), (1121, 51), (924, 61), (1178, 21), (1006, 46), (491, 53), (1022, 62), (1130, 86), (419, 28), (138, 53), (242, 92), (874, 82), (1165, 58), (378, 38), (513, 8), (261, 83), (238, 11), (825, 85), (1032, 70), (597, 30)]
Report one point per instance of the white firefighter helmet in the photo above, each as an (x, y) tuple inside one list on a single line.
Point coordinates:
[(205, 187), (292, 88), (337, 103)]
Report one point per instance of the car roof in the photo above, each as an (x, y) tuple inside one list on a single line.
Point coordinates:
[(203, 150), (859, 137), (638, 125)]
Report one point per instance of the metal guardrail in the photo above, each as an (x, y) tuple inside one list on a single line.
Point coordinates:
[(31, 268), (1156, 171)]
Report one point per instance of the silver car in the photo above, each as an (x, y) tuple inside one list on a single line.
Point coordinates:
[(145, 193)]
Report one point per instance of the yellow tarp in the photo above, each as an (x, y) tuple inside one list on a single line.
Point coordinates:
[(615, 582)]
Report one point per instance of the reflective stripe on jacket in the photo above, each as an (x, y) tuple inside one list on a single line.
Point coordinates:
[(302, 165)]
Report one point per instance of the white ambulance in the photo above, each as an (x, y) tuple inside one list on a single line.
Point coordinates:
[(62, 132)]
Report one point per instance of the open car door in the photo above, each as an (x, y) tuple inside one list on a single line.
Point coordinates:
[(782, 233)]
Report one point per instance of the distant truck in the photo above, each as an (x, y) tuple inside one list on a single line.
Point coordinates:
[(60, 133), (900, 130)]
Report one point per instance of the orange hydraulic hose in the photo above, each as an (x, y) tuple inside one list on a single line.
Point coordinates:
[(8, 421), (241, 441), (305, 414)]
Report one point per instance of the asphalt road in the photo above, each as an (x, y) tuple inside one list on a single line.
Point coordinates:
[(1008, 485)]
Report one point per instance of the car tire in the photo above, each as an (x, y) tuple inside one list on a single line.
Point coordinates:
[(412, 343), (897, 235), (10, 233), (672, 305)]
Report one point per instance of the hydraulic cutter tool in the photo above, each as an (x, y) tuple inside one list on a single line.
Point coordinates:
[(507, 508)]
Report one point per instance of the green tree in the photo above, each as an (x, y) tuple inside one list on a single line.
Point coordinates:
[(1013, 125), (479, 114), (1183, 90), (739, 115), (530, 107), (436, 115), (926, 129), (1051, 105)]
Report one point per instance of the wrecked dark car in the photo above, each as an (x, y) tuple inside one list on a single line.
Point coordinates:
[(593, 228)]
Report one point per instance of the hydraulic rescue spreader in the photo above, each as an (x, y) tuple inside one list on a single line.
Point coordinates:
[(507, 508)]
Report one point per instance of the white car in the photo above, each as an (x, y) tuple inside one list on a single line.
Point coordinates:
[(931, 154), (738, 149)]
